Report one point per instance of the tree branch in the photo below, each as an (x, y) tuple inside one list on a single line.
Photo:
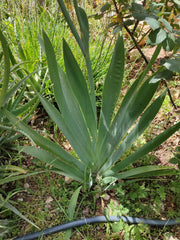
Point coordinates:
[(131, 34)]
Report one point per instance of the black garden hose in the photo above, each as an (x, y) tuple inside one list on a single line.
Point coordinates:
[(98, 219)]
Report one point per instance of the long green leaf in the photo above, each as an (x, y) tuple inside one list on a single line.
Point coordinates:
[(140, 127), (14, 63), (148, 147), (13, 178), (84, 25), (71, 25), (148, 171), (44, 143), (79, 87), (151, 62), (17, 212), (84, 28), (144, 172), (67, 102), (126, 101), (26, 106), (112, 87), (72, 204), (12, 90), (74, 118), (48, 158), (71, 210), (136, 102), (78, 146), (83, 21), (4, 87), (18, 99), (12, 168)]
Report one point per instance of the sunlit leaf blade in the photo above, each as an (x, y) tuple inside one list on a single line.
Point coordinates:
[(83, 21), (14, 63), (18, 99), (46, 157), (112, 87), (148, 147), (41, 42), (67, 102), (127, 115), (53, 69), (79, 87), (139, 128)]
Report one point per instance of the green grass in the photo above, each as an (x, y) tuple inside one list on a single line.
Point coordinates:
[(25, 21)]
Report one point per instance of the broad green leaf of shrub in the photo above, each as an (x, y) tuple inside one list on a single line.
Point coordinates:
[(139, 12), (169, 43), (166, 24), (153, 23), (173, 65), (105, 7), (165, 74), (176, 158), (157, 36)]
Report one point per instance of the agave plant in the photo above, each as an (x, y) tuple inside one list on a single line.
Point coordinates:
[(99, 145)]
